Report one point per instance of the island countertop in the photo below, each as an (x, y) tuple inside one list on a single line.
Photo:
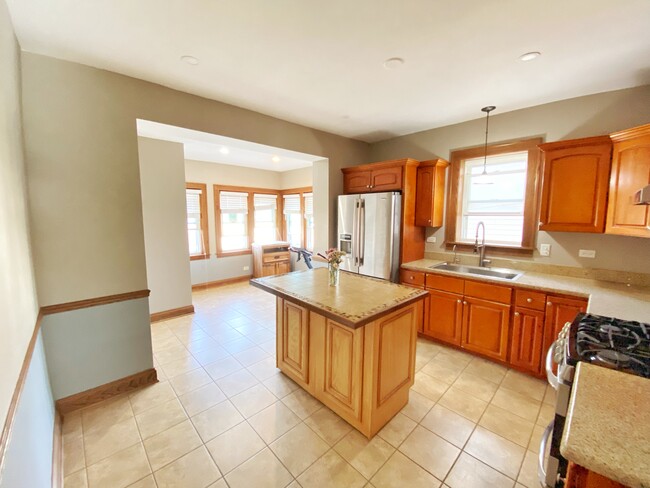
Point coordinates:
[(356, 301)]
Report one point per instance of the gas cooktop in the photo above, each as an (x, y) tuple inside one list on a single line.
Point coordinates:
[(614, 343)]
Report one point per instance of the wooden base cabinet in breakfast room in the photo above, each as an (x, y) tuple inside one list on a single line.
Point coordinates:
[(271, 259)]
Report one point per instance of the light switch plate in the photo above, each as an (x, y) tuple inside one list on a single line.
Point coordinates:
[(246, 268), (431, 239), (587, 253), (545, 249)]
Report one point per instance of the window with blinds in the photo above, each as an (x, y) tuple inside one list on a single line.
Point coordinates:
[(309, 220), (196, 208), (292, 219), (233, 209), (497, 200), (265, 225)]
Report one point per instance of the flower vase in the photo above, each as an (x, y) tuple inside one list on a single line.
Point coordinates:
[(333, 275)]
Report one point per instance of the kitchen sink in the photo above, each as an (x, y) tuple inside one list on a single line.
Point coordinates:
[(503, 273)]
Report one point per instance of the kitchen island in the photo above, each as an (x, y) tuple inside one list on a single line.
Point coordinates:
[(351, 346)]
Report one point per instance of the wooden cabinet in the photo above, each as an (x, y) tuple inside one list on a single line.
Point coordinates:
[(380, 177), (293, 340), (576, 180), (356, 181), (579, 477), (485, 327), (411, 278), (559, 311), (271, 259), (430, 193), (445, 317), (527, 342), (630, 172)]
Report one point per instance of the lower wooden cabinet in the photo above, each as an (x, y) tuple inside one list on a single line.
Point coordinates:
[(444, 317), (293, 339), (485, 327), (527, 343)]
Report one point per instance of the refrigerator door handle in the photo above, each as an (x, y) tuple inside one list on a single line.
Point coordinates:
[(355, 234), (362, 231)]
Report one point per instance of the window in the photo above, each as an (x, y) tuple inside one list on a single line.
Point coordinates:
[(507, 205), (197, 220), (297, 209), (233, 221), (265, 224)]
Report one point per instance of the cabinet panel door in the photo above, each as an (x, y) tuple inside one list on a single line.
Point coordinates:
[(356, 182), (293, 341), (386, 179), (445, 314), (282, 267), (343, 367), (485, 327), (268, 269), (559, 311), (424, 196), (527, 339)]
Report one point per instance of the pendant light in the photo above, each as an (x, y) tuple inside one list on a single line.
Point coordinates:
[(484, 178)]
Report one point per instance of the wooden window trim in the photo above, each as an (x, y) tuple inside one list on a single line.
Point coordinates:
[(531, 202), (303, 225), (203, 203)]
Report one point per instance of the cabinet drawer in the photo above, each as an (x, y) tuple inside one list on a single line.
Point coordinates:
[(530, 299), (274, 257), (445, 283), (408, 277), (488, 291)]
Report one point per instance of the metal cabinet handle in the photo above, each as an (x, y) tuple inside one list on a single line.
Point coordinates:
[(459, 301), (529, 300), (546, 436)]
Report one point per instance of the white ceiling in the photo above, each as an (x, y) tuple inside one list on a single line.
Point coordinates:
[(320, 63), (201, 146)]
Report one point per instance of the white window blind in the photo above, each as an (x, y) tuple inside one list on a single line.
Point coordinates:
[(309, 220), (233, 202), (499, 204), (291, 204), (309, 203), (194, 234), (264, 229), (263, 201)]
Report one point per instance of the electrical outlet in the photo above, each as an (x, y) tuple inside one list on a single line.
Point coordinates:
[(431, 239), (545, 249), (587, 253), (246, 268)]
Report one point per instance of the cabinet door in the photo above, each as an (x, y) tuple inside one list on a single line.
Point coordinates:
[(527, 339), (445, 315), (343, 371), (430, 194), (282, 267), (356, 182), (576, 179), (268, 269), (485, 327), (293, 341), (559, 311), (630, 173), (386, 179)]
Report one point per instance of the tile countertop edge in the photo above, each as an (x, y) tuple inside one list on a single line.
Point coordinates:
[(605, 298), (620, 450)]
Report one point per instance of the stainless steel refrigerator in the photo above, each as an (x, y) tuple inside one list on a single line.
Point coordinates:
[(369, 232)]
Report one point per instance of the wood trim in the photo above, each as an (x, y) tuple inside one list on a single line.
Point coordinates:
[(5, 435), (292, 191), (381, 164), (203, 202), (214, 284), (108, 390), (174, 312), (631, 133), (585, 141), (303, 221), (57, 452), (228, 254), (197, 257), (94, 302)]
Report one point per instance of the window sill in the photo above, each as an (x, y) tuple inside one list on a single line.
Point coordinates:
[(227, 254), (196, 257), (491, 249)]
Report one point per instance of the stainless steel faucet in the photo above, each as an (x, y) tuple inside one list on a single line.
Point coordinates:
[(480, 248), (456, 260)]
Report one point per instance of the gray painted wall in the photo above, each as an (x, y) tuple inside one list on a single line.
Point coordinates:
[(93, 346)]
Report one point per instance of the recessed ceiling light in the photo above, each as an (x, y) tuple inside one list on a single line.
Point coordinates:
[(190, 60), (224, 150), (393, 63), (275, 159), (529, 56)]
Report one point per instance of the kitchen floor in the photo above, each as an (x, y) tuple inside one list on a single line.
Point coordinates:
[(222, 415)]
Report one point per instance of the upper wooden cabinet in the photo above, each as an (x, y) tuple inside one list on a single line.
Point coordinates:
[(630, 172), (430, 193), (376, 177), (574, 191)]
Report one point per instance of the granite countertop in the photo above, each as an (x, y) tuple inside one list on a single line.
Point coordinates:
[(355, 302), (607, 426), (605, 297)]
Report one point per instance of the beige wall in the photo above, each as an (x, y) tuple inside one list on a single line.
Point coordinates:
[(578, 117), (18, 300), (162, 178), (81, 145), (297, 178)]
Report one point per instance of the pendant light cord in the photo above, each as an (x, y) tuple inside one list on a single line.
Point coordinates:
[(487, 110)]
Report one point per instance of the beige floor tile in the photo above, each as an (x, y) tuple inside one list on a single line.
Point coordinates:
[(536, 438), (546, 414), (197, 340), (486, 370), (302, 403), (445, 372), (417, 407), (269, 346), (225, 336), (261, 471), (180, 366), (171, 444), (186, 382), (430, 451), (238, 345), (328, 425), (428, 386), (235, 446), (253, 400), (263, 369), (251, 356), (528, 474), (508, 425), (449, 425), (216, 420), (219, 484), (516, 403), (463, 403), (428, 348), (160, 418), (72, 423), (151, 396), (76, 480), (273, 421), (106, 413), (495, 451), (550, 396), (148, 482), (201, 399), (120, 469), (74, 457), (331, 470), (210, 355), (366, 456), (524, 384), (294, 484), (102, 442), (280, 385), (299, 448), (262, 336), (398, 429), (223, 367), (236, 382), (476, 386), (469, 472), (453, 357), (400, 471), (195, 469)]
